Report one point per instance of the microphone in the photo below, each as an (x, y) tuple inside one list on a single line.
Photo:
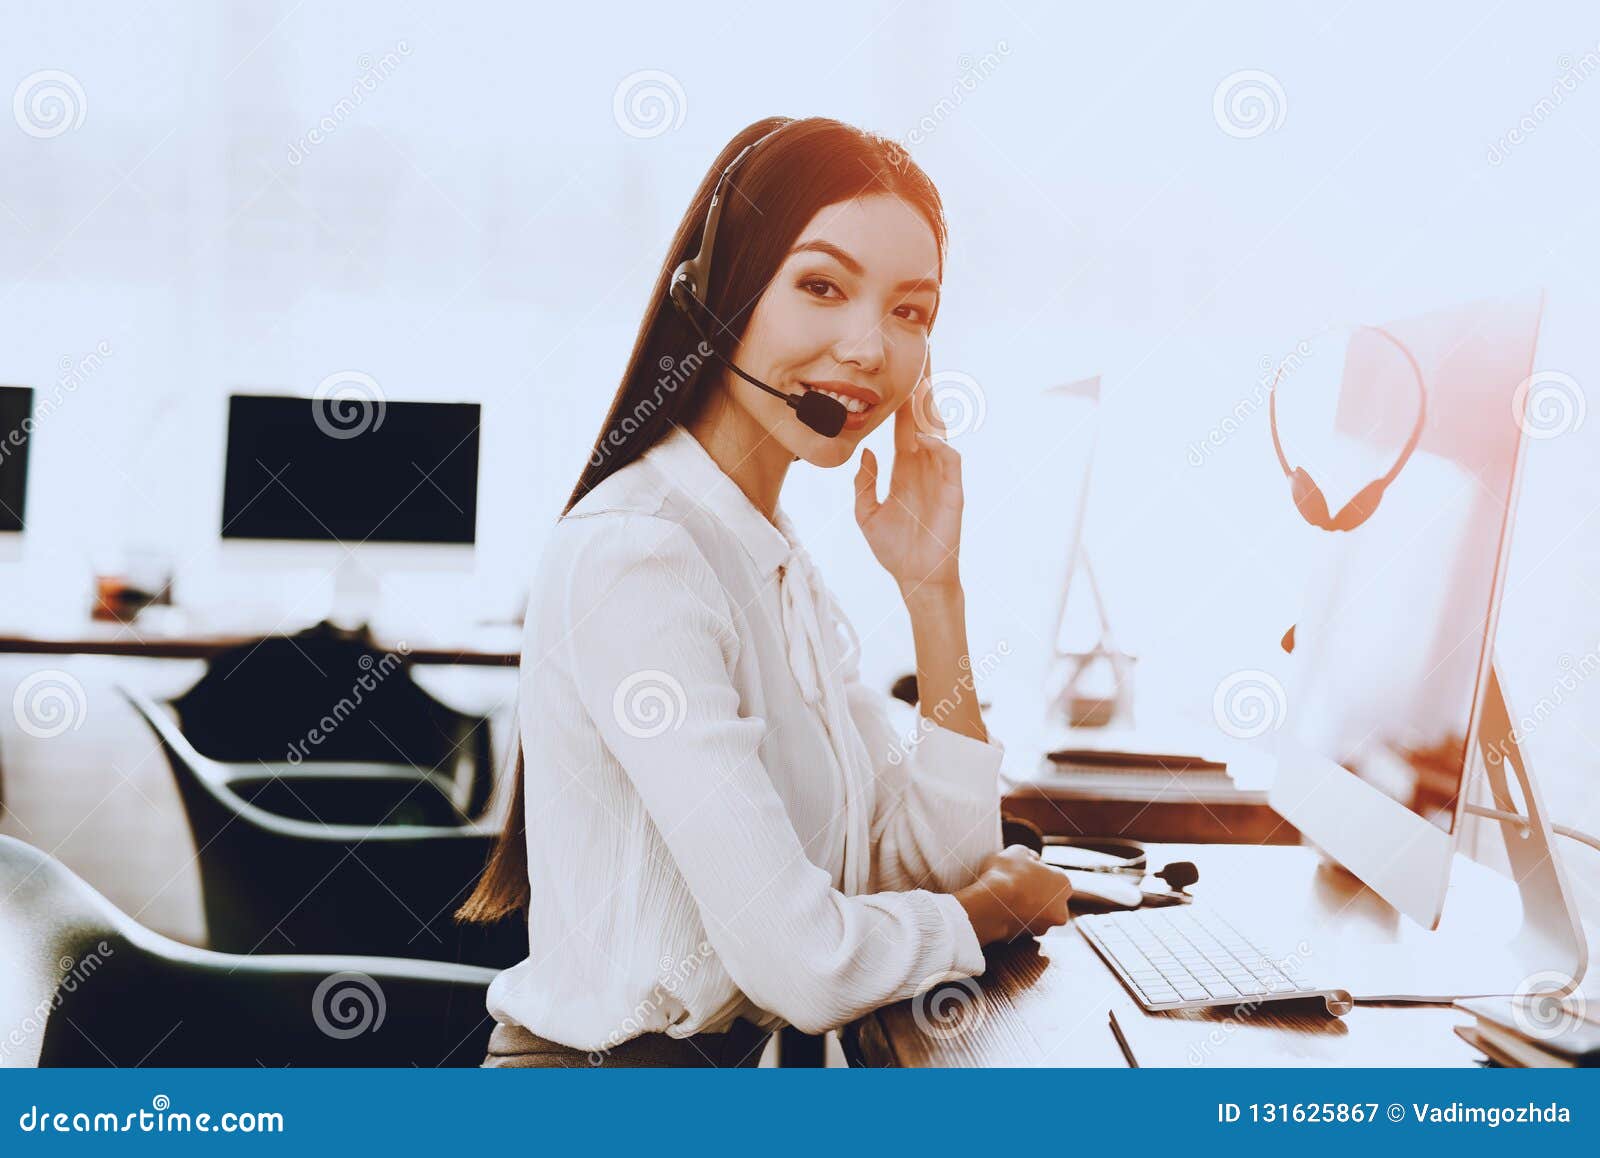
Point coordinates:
[(823, 414)]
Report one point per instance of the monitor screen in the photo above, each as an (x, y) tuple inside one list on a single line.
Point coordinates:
[(16, 410), (1398, 626), (296, 469)]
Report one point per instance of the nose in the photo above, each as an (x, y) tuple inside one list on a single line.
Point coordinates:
[(864, 348)]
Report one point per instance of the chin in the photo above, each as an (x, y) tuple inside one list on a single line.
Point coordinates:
[(827, 452)]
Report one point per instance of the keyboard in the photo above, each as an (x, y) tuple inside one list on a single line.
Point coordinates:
[(1190, 958)]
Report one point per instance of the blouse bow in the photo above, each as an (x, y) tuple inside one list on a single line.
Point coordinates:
[(806, 602)]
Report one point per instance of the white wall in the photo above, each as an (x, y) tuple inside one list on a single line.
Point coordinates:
[(481, 227)]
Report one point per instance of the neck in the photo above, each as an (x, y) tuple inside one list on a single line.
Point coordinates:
[(747, 453)]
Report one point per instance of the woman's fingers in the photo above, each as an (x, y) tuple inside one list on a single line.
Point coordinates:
[(929, 419), (905, 425), (866, 486), (946, 457)]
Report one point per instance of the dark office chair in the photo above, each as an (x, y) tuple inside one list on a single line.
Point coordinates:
[(262, 700), (276, 884), (326, 792), (83, 984)]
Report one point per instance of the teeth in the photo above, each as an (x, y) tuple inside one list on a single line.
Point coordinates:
[(853, 405)]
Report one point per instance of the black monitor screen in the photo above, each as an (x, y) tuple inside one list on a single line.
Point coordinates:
[(16, 412), (391, 472)]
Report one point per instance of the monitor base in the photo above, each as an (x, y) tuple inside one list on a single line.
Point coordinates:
[(1499, 936)]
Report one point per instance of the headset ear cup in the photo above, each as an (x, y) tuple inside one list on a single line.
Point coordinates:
[(1360, 507), (684, 286), (1308, 499)]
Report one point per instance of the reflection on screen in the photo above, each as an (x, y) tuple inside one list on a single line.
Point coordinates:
[(1391, 642)]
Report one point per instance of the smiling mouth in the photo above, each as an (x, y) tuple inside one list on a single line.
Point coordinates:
[(856, 408)]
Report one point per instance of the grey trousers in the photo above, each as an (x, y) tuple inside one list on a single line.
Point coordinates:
[(740, 1047)]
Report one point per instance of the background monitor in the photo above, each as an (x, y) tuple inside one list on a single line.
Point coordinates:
[(16, 406), (296, 470), (1395, 639)]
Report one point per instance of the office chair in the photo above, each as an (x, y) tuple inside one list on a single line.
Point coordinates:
[(279, 884), (83, 984), (326, 792), (260, 700)]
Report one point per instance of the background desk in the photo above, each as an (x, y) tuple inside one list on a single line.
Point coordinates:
[(490, 647), (1046, 1001), (1176, 813)]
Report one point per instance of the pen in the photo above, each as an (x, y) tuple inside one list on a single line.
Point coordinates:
[(1116, 1031)]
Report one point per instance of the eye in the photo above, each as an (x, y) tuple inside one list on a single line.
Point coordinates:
[(819, 287), (911, 313)]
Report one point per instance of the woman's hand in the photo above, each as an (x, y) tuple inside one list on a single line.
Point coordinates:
[(1015, 893), (916, 532)]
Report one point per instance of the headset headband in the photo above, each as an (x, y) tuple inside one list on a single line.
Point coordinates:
[(693, 277), (1416, 429)]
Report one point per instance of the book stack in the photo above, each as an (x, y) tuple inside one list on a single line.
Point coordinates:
[(1539, 1032)]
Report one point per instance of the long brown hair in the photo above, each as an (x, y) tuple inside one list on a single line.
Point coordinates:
[(777, 190)]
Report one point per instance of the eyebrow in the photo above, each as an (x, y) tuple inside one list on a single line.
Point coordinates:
[(856, 268)]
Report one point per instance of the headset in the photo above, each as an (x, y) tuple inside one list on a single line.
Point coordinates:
[(1308, 497), (687, 291)]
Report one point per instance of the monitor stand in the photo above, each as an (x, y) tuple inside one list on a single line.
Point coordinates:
[(1497, 937), (357, 593), (1551, 938)]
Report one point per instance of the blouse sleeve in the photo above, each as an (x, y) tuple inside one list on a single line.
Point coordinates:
[(937, 812), (651, 647)]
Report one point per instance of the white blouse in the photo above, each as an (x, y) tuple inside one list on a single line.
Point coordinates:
[(722, 820)]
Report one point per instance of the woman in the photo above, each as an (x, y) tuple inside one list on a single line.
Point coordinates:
[(715, 828)]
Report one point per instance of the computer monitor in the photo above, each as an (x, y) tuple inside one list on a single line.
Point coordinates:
[(396, 490), (410, 477), (16, 413), (1394, 649)]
